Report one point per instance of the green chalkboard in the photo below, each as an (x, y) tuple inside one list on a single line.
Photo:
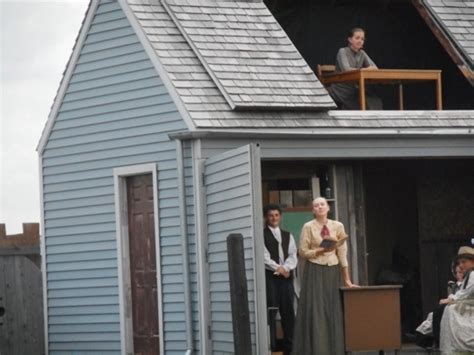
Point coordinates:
[(293, 222)]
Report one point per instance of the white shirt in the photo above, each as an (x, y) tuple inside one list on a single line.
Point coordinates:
[(290, 262), (464, 292)]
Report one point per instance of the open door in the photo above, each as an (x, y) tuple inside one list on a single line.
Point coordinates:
[(232, 182)]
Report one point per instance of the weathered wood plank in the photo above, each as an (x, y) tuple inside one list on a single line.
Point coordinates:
[(21, 299)]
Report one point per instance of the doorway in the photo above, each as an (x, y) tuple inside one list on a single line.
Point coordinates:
[(417, 214), (138, 253), (143, 271)]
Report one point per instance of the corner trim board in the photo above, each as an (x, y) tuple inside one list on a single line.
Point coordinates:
[(67, 75), (162, 73)]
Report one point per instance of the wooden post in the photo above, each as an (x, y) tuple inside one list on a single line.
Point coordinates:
[(439, 95), (362, 91), (238, 294), (400, 96)]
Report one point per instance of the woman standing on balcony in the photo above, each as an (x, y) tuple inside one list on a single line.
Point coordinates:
[(353, 57), (319, 322)]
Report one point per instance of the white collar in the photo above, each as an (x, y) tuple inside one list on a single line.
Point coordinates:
[(274, 230)]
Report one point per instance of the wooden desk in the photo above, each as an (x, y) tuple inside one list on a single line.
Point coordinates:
[(386, 76), (372, 318)]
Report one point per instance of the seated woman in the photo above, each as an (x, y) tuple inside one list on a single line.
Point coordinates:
[(457, 325), (353, 57), (428, 332)]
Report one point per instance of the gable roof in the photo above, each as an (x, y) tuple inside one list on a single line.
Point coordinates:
[(205, 102), (452, 22), (203, 105), (247, 54)]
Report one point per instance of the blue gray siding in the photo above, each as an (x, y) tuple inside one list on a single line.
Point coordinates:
[(116, 112), (228, 184)]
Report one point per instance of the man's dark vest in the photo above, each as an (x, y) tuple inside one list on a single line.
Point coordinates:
[(272, 244)]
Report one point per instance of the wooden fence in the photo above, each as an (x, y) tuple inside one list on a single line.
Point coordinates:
[(21, 295)]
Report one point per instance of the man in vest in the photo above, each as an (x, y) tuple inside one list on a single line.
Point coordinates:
[(280, 261)]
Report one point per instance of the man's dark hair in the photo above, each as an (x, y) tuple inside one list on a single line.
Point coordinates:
[(271, 207)]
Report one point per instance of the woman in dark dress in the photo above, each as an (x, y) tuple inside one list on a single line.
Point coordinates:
[(319, 323), (353, 57)]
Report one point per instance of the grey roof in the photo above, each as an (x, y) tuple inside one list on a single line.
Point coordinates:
[(457, 19), (208, 108), (247, 54)]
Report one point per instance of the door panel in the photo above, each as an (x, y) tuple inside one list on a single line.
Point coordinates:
[(143, 264), (233, 205)]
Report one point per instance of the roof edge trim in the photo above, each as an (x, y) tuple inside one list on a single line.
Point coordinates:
[(309, 133), (153, 56), (449, 44), (71, 64), (198, 55)]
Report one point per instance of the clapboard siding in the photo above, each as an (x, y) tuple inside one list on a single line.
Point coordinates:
[(228, 174), (115, 112)]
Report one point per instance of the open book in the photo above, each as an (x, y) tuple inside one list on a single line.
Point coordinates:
[(331, 243)]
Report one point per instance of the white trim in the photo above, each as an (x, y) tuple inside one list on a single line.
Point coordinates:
[(125, 302), (162, 73), (201, 245), (184, 246), (43, 259), (67, 75), (260, 297)]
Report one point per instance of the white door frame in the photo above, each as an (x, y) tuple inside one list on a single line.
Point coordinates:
[(123, 252)]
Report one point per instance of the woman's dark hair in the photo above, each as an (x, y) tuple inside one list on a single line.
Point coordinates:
[(354, 30), (454, 266), (271, 207)]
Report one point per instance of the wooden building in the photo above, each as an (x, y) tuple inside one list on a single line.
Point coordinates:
[(174, 122)]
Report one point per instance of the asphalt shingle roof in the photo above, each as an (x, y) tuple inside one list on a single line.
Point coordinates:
[(247, 54), (205, 102), (457, 18)]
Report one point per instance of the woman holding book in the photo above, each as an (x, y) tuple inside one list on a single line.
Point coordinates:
[(319, 323)]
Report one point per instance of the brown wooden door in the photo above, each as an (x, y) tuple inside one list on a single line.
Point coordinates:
[(143, 264)]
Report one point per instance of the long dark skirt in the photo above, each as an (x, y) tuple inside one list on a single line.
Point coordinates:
[(319, 323), (347, 97)]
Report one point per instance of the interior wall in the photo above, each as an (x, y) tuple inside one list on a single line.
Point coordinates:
[(396, 37), (392, 233), (446, 222), (418, 213)]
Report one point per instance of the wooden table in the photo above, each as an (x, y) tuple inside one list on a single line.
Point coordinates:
[(372, 318), (386, 76)]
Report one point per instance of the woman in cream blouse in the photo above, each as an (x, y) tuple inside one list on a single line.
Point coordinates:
[(319, 323)]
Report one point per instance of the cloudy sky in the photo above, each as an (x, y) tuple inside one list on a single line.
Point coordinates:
[(36, 41)]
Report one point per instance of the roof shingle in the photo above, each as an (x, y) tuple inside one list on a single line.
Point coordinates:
[(208, 108), (457, 18), (247, 54)]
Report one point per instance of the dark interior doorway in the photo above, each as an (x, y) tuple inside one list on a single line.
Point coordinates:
[(418, 213), (396, 37)]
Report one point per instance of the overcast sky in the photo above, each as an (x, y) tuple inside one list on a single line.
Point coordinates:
[(36, 41)]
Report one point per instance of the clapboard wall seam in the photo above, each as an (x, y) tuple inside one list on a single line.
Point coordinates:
[(165, 110), (103, 36), (120, 56), (116, 88), (109, 73), (133, 93)]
